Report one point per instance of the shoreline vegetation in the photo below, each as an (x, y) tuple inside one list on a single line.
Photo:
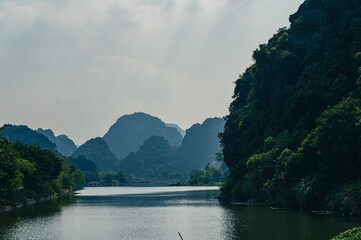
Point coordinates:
[(29, 202), (29, 174)]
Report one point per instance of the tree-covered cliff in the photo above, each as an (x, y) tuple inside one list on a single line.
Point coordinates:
[(292, 137)]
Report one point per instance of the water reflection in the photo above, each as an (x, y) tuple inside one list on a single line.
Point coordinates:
[(245, 222), (145, 213), (13, 222)]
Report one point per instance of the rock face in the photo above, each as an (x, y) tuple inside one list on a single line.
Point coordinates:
[(130, 131), (97, 150), (64, 145), (26, 135)]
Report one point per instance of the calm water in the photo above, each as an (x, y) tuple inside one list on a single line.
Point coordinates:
[(160, 213)]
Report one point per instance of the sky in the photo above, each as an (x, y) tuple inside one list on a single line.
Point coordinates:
[(76, 66)]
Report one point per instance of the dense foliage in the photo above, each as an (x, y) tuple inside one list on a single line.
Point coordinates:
[(209, 176), (29, 172), (88, 168), (130, 131), (351, 234), (292, 137), (110, 179)]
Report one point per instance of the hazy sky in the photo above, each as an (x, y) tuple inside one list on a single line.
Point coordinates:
[(75, 66)]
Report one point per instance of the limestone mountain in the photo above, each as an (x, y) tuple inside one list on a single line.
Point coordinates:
[(97, 150), (26, 135), (130, 131), (157, 159), (64, 145), (200, 145), (152, 159)]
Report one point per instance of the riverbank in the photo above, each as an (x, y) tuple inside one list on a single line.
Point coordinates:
[(29, 202), (217, 184), (160, 213)]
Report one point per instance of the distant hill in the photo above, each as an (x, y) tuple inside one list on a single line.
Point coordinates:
[(26, 135), (98, 151), (157, 159), (152, 158), (64, 145), (130, 131), (200, 145), (181, 131)]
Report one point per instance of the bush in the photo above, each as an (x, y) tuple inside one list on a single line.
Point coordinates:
[(348, 199), (352, 234)]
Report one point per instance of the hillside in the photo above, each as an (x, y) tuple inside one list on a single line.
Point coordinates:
[(130, 131), (200, 145), (64, 145), (28, 136), (152, 159), (83, 164), (292, 135), (97, 150)]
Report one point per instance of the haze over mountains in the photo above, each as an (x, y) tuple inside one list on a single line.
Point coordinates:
[(138, 143), (64, 145), (181, 131), (200, 145), (157, 159)]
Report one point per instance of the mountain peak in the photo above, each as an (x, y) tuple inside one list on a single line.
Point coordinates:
[(130, 131), (64, 145), (97, 150)]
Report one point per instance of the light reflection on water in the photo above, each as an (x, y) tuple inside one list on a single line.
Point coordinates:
[(160, 213)]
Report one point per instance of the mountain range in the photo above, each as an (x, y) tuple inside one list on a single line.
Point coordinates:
[(156, 158), (64, 145), (24, 134), (146, 146)]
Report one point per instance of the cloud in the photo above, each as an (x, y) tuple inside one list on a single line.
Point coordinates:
[(77, 65)]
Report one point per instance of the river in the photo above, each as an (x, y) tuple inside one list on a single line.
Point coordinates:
[(160, 213)]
